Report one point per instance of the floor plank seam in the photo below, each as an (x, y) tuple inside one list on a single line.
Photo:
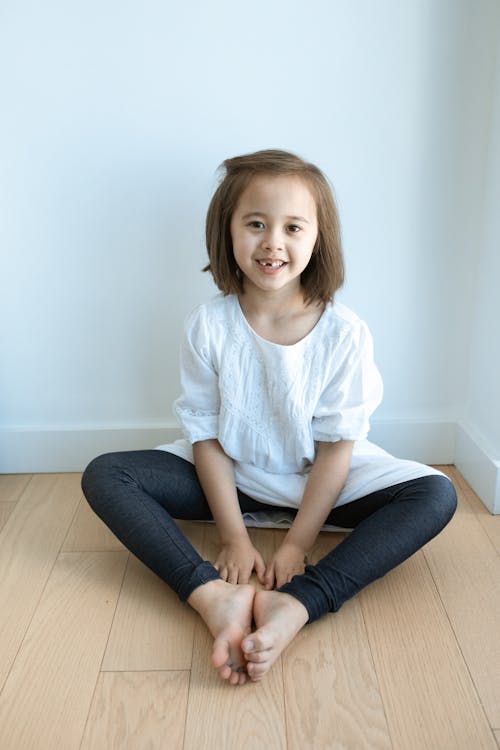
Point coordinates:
[(187, 701), (474, 686), (80, 499), (100, 671), (125, 671), (88, 713), (283, 695), (26, 488), (102, 699), (375, 672), (125, 568), (30, 621)]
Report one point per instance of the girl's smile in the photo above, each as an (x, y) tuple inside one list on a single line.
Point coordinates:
[(274, 230)]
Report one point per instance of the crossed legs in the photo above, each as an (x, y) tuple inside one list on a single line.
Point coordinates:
[(139, 493)]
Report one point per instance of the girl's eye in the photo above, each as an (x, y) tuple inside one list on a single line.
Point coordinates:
[(256, 224), (293, 228)]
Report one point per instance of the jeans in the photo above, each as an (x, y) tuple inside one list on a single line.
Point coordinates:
[(138, 494)]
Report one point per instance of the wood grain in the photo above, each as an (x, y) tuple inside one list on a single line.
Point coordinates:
[(138, 711), (46, 699), (5, 511), (429, 697), (411, 661), (466, 569), (29, 544), (152, 628), (331, 689), (12, 486), (467, 496), (88, 533), (249, 716)]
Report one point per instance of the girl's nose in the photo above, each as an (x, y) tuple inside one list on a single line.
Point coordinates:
[(272, 240)]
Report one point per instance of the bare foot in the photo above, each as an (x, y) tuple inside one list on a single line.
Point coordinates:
[(226, 609), (278, 617)]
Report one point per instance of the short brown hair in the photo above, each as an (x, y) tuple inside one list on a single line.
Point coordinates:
[(325, 271)]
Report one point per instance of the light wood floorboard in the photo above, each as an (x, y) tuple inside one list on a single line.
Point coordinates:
[(46, 699), (428, 694), (250, 717), (152, 628), (488, 521), (466, 569), (129, 709), (85, 535), (30, 542), (12, 486), (96, 652), (329, 666), (5, 511)]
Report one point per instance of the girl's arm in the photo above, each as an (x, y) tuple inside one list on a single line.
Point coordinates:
[(215, 470), (325, 481)]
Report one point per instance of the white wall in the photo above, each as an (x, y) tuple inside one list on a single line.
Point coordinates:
[(115, 117), (483, 393), (479, 436)]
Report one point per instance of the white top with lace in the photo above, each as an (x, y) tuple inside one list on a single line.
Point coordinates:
[(268, 403)]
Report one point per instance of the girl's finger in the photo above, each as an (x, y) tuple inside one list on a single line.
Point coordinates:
[(244, 576), (260, 567), (233, 575), (223, 573), (269, 578)]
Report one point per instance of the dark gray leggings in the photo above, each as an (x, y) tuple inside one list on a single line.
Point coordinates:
[(138, 494)]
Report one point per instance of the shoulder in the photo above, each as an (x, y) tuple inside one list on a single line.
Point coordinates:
[(344, 326), (216, 310), (206, 326)]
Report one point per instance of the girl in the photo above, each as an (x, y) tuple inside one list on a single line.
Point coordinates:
[(278, 384)]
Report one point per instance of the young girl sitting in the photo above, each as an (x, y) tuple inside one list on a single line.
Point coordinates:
[(278, 385)]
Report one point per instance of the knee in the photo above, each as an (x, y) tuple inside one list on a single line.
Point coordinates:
[(97, 476), (442, 498)]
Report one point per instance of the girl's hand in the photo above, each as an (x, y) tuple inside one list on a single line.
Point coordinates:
[(287, 562), (237, 559)]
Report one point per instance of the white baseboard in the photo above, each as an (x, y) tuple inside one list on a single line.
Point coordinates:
[(25, 451), (429, 442), (53, 450), (473, 459), (45, 451)]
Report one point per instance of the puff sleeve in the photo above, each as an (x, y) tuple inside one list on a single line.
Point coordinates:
[(197, 409), (353, 392)]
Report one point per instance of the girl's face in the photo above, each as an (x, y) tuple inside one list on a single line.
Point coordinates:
[(274, 228)]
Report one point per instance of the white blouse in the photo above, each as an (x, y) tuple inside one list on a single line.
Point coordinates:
[(268, 403)]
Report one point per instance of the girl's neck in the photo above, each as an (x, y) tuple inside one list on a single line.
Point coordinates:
[(256, 303), (281, 319)]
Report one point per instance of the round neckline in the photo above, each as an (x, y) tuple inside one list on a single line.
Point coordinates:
[(273, 343)]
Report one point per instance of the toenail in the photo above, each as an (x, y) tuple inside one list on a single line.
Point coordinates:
[(248, 645)]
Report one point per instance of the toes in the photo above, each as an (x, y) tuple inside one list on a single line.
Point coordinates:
[(259, 656), (257, 671), (220, 652), (258, 641), (225, 671), (234, 678), (233, 674)]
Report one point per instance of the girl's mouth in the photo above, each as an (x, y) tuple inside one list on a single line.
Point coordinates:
[(274, 264)]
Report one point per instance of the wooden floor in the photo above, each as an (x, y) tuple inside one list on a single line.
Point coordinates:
[(96, 652)]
